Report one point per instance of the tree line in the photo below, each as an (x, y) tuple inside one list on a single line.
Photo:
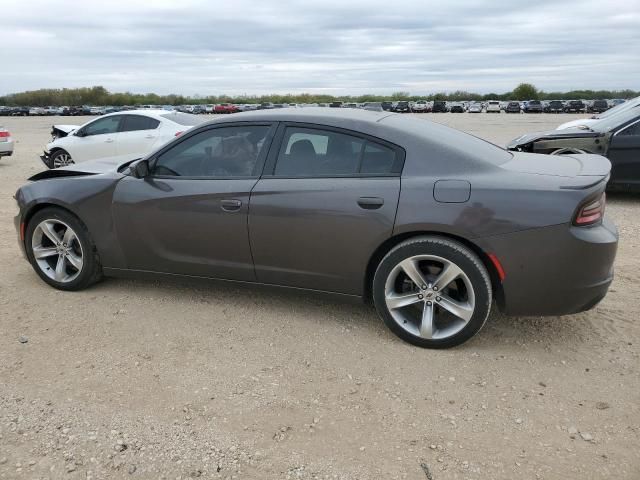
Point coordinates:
[(101, 96)]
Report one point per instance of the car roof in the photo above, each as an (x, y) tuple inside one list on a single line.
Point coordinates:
[(325, 116)]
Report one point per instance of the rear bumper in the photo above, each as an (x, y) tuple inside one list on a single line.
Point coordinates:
[(556, 270)]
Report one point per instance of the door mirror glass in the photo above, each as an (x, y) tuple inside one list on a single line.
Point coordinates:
[(140, 169)]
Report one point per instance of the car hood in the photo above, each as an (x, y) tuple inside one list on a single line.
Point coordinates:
[(91, 167), (576, 123), (574, 132), (66, 128), (570, 166)]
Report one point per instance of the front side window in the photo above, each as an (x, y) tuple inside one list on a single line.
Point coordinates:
[(308, 152), (103, 126), (219, 152), (132, 123), (633, 129)]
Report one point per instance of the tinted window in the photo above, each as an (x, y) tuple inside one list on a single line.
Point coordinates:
[(103, 126), (133, 123), (220, 152), (631, 130), (307, 152)]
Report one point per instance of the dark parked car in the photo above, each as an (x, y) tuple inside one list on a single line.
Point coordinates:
[(440, 106), (512, 107), (456, 108), (402, 107), (598, 106), (335, 105), (373, 106), (19, 112), (617, 137), (430, 223), (533, 106), (387, 106), (575, 106), (554, 106)]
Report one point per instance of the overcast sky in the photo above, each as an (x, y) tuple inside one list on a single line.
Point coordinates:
[(333, 46)]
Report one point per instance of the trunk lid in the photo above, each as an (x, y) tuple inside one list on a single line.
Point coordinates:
[(570, 166)]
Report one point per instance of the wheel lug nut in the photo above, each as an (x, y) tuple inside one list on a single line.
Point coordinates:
[(438, 299), (429, 303), (420, 296), (424, 287), (435, 289)]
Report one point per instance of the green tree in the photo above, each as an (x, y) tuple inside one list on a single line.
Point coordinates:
[(525, 91)]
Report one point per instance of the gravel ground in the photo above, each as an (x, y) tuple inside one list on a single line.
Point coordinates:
[(143, 379)]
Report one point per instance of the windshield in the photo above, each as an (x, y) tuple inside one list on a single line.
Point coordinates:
[(614, 121), (182, 118), (634, 102)]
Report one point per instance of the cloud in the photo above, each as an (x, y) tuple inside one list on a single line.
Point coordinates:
[(341, 47)]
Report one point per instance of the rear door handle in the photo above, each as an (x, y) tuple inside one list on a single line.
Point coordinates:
[(370, 203), (150, 136), (230, 205), (109, 140)]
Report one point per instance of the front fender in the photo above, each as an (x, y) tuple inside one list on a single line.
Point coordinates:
[(88, 197)]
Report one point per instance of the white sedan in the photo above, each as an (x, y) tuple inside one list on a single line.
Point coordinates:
[(6, 143), (119, 136)]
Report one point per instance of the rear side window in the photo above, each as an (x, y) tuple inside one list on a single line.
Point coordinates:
[(185, 119), (308, 152), (132, 123)]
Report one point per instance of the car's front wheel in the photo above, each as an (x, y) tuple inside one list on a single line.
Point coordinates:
[(432, 292), (61, 251), (60, 158)]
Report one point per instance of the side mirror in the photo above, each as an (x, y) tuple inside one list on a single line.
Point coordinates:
[(140, 169), (80, 133)]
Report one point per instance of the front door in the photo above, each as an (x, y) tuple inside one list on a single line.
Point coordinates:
[(624, 154), (96, 140), (189, 216), (327, 199)]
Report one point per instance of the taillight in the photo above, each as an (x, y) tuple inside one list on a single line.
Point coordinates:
[(591, 211), (4, 134), (178, 134)]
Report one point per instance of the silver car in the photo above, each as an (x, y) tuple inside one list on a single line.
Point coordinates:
[(6, 143)]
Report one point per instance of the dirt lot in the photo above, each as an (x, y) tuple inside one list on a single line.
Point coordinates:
[(144, 379)]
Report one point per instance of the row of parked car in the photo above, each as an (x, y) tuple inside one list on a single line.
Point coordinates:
[(419, 106)]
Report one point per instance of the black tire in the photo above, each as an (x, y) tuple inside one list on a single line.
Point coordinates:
[(91, 271), (56, 155), (454, 252)]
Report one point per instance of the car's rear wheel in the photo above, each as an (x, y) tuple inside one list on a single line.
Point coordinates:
[(60, 158), (61, 251), (432, 292)]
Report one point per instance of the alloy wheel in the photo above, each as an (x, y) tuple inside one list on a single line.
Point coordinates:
[(57, 250), (62, 160), (429, 296)]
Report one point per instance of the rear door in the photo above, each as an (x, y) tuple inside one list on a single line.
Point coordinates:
[(137, 136), (624, 154), (327, 199)]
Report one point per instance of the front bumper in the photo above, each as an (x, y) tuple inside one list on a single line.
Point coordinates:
[(46, 159), (557, 270)]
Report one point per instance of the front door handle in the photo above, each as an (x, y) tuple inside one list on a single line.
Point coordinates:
[(109, 140), (230, 205), (150, 136), (370, 203)]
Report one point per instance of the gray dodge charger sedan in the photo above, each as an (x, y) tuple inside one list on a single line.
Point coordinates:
[(429, 223)]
